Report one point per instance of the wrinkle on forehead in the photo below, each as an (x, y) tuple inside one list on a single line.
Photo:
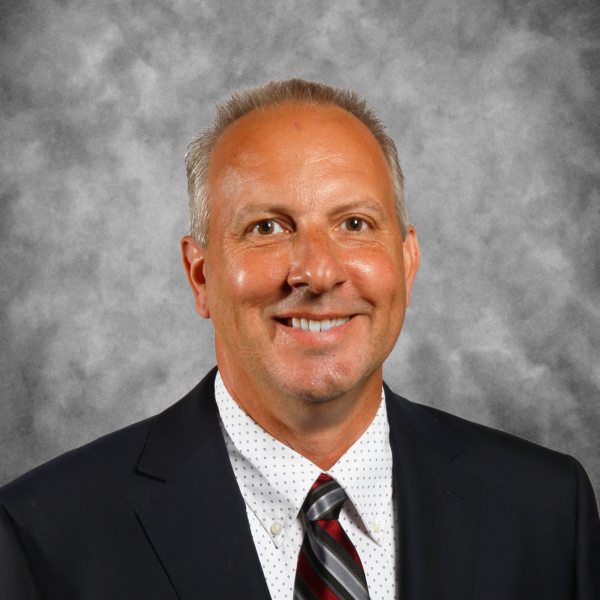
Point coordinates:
[(308, 181)]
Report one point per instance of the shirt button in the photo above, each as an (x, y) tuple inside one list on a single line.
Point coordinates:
[(375, 525), (276, 528)]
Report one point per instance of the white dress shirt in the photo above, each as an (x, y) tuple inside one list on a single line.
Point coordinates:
[(274, 481)]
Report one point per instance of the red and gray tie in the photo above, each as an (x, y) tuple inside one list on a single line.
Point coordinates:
[(329, 567)]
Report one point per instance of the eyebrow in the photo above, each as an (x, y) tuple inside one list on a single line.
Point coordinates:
[(268, 207), (364, 204), (264, 207)]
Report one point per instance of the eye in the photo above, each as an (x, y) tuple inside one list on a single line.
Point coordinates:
[(268, 227), (354, 224)]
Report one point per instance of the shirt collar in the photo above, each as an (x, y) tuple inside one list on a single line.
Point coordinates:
[(274, 479)]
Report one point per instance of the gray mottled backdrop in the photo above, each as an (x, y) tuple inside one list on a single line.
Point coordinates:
[(494, 106)]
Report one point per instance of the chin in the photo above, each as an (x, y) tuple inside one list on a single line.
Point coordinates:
[(324, 383)]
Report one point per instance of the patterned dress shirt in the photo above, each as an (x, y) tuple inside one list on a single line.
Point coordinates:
[(274, 481)]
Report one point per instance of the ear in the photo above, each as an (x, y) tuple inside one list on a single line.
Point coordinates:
[(193, 256), (412, 258)]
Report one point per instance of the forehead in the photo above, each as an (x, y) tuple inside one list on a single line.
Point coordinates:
[(293, 137)]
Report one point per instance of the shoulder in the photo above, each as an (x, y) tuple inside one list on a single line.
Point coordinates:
[(111, 468), (492, 456), (112, 457)]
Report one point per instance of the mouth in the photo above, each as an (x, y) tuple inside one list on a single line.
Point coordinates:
[(314, 325)]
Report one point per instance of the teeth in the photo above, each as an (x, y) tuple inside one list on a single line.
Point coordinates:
[(317, 326)]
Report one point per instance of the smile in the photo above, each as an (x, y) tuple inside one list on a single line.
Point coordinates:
[(316, 326)]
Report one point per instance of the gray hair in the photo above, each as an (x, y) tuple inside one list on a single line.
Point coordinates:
[(197, 159)]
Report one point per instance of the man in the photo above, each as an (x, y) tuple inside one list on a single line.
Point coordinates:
[(293, 471)]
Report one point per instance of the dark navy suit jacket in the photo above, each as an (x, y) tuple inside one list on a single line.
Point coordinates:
[(154, 511)]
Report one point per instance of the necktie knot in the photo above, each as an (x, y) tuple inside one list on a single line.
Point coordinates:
[(325, 499)]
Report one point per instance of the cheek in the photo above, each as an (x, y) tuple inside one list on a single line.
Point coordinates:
[(378, 276), (251, 282), (250, 278)]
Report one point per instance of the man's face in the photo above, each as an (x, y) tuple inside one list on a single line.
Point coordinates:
[(303, 232)]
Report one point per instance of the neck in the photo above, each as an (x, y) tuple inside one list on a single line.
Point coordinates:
[(319, 431)]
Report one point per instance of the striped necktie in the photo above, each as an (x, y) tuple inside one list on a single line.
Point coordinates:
[(329, 567)]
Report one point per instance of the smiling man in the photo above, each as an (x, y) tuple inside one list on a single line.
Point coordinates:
[(291, 471)]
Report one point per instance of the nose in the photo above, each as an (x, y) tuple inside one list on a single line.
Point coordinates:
[(316, 263)]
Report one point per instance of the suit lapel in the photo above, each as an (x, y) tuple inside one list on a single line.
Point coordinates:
[(438, 506), (197, 523)]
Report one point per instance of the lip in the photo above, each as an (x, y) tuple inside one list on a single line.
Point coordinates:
[(313, 317), (311, 338)]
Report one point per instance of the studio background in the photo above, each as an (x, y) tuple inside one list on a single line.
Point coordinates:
[(494, 106)]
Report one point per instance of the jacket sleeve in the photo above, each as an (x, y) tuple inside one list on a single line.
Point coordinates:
[(16, 579), (587, 551)]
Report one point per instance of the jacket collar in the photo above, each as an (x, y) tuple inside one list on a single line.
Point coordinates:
[(438, 505), (197, 523)]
